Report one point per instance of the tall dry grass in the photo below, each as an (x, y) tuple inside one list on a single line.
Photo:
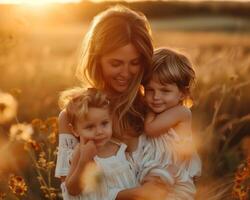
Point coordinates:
[(36, 63)]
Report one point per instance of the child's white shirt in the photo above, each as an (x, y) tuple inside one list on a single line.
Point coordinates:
[(116, 173)]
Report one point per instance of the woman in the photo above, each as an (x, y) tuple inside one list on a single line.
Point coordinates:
[(116, 58)]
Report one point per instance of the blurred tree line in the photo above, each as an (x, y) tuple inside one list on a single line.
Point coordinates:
[(158, 9)]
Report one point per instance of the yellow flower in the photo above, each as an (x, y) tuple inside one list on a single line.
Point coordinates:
[(17, 185), (8, 107), (52, 137), (32, 144), (21, 132), (2, 195)]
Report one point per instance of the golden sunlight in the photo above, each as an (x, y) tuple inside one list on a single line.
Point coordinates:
[(32, 2)]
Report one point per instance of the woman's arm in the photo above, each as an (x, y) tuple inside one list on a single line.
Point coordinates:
[(157, 124), (63, 124), (156, 189), (67, 142)]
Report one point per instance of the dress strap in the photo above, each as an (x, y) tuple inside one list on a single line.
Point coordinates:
[(121, 151), (115, 141)]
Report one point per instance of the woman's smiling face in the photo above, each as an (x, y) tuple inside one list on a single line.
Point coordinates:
[(120, 68)]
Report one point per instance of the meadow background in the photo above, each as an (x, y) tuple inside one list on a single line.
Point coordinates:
[(39, 48)]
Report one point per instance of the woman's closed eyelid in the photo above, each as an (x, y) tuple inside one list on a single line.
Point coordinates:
[(135, 62), (115, 63)]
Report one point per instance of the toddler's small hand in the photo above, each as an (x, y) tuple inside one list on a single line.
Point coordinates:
[(87, 150)]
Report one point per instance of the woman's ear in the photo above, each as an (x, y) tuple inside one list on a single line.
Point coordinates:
[(73, 130)]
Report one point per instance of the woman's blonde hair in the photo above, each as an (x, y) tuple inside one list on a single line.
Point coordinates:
[(170, 66), (77, 102), (110, 30)]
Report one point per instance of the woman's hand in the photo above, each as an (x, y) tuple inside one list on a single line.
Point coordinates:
[(152, 188)]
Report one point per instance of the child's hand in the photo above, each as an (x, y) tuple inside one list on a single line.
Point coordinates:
[(87, 150)]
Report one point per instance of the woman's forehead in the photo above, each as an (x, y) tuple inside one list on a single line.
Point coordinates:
[(128, 51)]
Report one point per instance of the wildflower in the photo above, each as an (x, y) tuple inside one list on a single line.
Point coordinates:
[(2, 195), (49, 193), (51, 164), (52, 138), (21, 131), (241, 186), (8, 107), (36, 123), (42, 162), (17, 185), (32, 144), (52, 123)]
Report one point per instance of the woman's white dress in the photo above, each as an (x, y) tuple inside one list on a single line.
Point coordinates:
[(154, 155)]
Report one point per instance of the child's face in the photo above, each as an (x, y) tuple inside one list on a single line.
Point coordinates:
[(96, 126), (161, 97)]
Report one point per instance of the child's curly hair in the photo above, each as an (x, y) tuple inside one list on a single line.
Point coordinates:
[(77, 101)]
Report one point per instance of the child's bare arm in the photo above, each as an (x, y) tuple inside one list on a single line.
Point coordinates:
[(157, 124), (81, 157)]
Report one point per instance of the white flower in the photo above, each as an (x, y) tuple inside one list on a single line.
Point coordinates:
[(21, 132), (8, 107)]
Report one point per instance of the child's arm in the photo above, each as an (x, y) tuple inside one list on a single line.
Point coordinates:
[(83, 154), (157, 124)]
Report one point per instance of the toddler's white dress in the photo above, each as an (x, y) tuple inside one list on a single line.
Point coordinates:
[(177, 172), (116, 173)]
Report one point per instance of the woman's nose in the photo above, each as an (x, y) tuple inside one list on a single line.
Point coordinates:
[(125, 71)]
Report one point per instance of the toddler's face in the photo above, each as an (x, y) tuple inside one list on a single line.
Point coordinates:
[(161, 97), (96, 126)]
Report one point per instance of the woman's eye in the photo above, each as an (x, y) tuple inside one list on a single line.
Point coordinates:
[(115, 64)]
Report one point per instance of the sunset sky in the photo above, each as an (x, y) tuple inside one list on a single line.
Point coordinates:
[(72, 1)]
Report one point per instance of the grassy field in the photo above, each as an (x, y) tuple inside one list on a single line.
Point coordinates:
[(37, 62)]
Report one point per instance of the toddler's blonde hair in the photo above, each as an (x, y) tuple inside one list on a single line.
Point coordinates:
[(77, 102)]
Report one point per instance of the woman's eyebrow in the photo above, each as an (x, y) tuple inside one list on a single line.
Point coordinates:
[(115, 59)]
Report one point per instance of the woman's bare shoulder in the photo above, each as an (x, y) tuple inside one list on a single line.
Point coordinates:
[(63, 123)]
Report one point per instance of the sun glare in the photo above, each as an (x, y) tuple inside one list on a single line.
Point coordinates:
[(37, 2)]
